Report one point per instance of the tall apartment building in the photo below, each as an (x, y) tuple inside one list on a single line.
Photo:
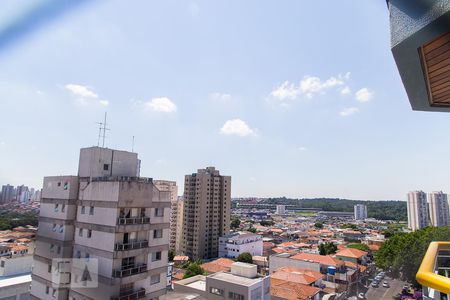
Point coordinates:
[(108, 215), (179, 225), (207, 204), (8, 194), (360, 211), (438, 205), (417, 210), (172, 188)]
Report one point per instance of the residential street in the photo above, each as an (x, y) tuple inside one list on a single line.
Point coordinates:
[(381, 293)]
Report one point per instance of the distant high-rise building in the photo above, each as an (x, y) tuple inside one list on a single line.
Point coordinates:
[(207, 204), (360, 211), (417, 210), (172, 188), (8, 194), (439, 212), (281, 210), (106, 215)]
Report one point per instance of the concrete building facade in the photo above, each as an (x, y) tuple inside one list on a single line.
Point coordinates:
[(207, 205), (8, 194), (360, 211), (108, 215), (281, 210), (172, 188), (417, 210), (439, 210), (233, 244)]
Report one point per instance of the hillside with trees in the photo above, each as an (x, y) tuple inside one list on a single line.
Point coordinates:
[(381, 210)]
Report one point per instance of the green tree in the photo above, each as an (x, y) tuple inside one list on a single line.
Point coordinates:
[(267, 223), (171, 254), (235, 222), (193, 269), (245, 257), (327, 248), (318, 225), (362, 247), (252, 229), (402, 254)]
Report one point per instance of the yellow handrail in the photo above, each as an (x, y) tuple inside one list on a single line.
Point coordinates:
[(426, 275)]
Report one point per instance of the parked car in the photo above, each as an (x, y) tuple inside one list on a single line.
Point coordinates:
[(374, 284), (361, 296), (386, 284)]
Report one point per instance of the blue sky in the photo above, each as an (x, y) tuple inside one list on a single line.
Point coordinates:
[(290, 98)]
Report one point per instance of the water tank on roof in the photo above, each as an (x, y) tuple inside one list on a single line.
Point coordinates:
[(332, 270)]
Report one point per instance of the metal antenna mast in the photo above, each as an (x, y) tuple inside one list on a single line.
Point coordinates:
[(132, 145), (102, 128), (104, 131)]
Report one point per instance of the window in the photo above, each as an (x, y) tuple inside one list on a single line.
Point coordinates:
[(105, 167), (54, 293), (58, 250), (49, 268), (87, 256), (156, 256), (80, 232), (2, 264), (54, 228), (66, 185), (91, 210), (47, 289), (52, 247), (63, 208), (157, 233), (154, 279), (78, 254), (235, 296), (159, 212), (83, 210), (56, 207), (59, 183), (61, 228), (216, 291), (89, 234)]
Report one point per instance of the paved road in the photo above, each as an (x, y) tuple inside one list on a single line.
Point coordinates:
[(381, 293)]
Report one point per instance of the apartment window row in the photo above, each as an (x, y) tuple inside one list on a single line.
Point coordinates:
[(91, 210), (58, 248), (56, 228), (159, 212), (155, 279), (65, 186), (63, 208), (157, 233), (216, 291), (47, 291), (86, 255), (235, 296), (156, 256), (88, 232)]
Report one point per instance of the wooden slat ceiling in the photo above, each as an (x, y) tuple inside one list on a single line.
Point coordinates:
[(436, 64)]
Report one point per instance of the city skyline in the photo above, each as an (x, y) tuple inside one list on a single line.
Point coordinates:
[(330, 119)]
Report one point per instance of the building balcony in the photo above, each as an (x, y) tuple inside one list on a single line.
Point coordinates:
[(133, 220), (434, 272), (131, 295), (131, 245), (129, 271)]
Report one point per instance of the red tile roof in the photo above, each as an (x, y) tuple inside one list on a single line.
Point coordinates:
[(297, 275), (218, 265), (351, 252), (292, 291), (322, 259)]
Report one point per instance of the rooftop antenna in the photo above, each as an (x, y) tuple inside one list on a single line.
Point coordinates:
[(132, 145), (102, 128)]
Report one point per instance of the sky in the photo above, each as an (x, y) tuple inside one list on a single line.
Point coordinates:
[(290, 98)]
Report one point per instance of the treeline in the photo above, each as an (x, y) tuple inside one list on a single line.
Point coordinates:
[(403, 253), (9, 220), (381, 210)]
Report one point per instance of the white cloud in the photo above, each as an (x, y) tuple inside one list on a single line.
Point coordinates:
[(193, 9), (81, 91), (236, 127), (162, 104), (220, 97), (349, 111), (85, 95), (309, 86), (346, 90), (301, 148), (364, 95)]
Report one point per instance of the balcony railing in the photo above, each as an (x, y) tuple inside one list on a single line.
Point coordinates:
[(128, 271), (132, 295), (434, 272), (131, 245), (133, 220)]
